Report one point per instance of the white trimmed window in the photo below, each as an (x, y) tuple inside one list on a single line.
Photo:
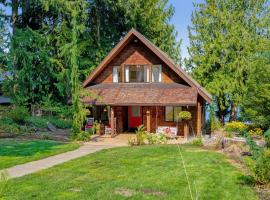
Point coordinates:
[(156, 73), (117, 74), (136, 73)]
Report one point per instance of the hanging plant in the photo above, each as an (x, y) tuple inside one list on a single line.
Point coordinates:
[(184, 115)]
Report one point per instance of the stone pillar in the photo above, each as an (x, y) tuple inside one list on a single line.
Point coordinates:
[(112, 120), (148, 126)]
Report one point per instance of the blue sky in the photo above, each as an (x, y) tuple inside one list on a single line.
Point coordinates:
[(181, 20)]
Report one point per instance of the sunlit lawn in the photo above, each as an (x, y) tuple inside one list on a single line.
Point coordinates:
[(148, 172), (16, 151)]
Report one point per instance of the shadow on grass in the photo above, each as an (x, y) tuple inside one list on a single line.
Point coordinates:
[(246, 180), (15, 148)]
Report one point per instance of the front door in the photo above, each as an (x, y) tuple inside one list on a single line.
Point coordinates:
[(135, 116)]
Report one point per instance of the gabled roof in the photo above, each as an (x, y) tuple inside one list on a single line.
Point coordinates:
[(158, 52)]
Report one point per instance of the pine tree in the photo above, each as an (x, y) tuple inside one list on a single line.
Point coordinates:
[(70, 51)]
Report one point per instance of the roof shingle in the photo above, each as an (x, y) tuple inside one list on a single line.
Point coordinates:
[(141, 94)]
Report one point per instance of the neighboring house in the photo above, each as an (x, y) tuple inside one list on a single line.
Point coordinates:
[(137, 83)]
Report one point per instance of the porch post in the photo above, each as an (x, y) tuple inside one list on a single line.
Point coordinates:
[(199, 115), (186, 130), (112, 120), (148, 128)]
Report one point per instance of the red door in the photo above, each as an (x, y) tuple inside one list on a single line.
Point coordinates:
[(135, 116)]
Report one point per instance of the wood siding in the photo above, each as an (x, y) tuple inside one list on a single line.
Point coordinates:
[(137, 54)]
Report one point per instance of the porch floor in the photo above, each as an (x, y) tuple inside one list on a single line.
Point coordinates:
[(123, 138)]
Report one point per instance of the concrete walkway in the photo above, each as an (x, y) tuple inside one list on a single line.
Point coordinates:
[(97, 144), (34, 166)]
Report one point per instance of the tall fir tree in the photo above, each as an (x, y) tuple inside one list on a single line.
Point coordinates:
[(224, 38)]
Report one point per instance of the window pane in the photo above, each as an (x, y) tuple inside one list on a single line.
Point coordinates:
[(136, 111), (156, 73), (177, 110), (169, 113), (127, 74), (132, 74), (137, 73), (117, 74)]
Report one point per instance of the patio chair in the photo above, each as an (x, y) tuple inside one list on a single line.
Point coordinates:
[(89, 123), (108, 128)]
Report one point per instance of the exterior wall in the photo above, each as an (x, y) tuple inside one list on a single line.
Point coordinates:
[(159, 119), (137, 53)]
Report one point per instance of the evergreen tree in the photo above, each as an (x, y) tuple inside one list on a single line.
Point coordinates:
[(224, 38), (256, 104)]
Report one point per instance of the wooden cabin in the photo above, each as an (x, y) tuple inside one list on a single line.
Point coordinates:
[(137, 83)]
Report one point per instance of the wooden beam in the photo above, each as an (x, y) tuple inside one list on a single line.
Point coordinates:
[(148, 126), (112, 120), (199, 118), (186, 130), (123, 73)]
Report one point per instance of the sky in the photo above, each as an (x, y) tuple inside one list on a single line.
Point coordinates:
[(181, 20)]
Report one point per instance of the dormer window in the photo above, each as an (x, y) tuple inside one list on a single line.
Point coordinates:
[(156, 73), (136, 73), (117, 74)]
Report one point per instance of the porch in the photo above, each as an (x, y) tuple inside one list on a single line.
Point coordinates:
[(126, 119)]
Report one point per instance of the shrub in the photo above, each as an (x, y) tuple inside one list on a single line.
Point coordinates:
[(215, 125), (267, 137), (38, 122), (19, 114), (7, 125), (141, 135), (260, 168), (256, 131), (45, 136), (60, 123), (156, 138), (83, 136), (184, 115), (236, 126), (197, 142)]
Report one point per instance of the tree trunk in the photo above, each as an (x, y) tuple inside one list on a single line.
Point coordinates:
[(233, 112), (15, 5)]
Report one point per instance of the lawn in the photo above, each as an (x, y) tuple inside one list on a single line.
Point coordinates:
[(148, 172), (16, 151)]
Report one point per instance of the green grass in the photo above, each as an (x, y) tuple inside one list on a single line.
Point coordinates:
[(16, 151), (140, 169)]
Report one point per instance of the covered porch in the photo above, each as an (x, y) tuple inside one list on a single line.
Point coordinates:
[(125, 106)]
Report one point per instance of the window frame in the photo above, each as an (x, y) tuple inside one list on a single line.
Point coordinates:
[(159, 75), (174, 119), (146, 72), (117, 69)]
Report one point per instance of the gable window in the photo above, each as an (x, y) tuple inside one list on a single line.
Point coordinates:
[(171, 113), (136, 73), (117, 74), (156, 73)]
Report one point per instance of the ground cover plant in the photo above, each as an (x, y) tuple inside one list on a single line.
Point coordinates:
[(16, 151), (141, 172)]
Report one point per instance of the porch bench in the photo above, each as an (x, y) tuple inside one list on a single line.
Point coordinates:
[(169, 131)]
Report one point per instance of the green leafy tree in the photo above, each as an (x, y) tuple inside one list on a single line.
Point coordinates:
[(224, 39)]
